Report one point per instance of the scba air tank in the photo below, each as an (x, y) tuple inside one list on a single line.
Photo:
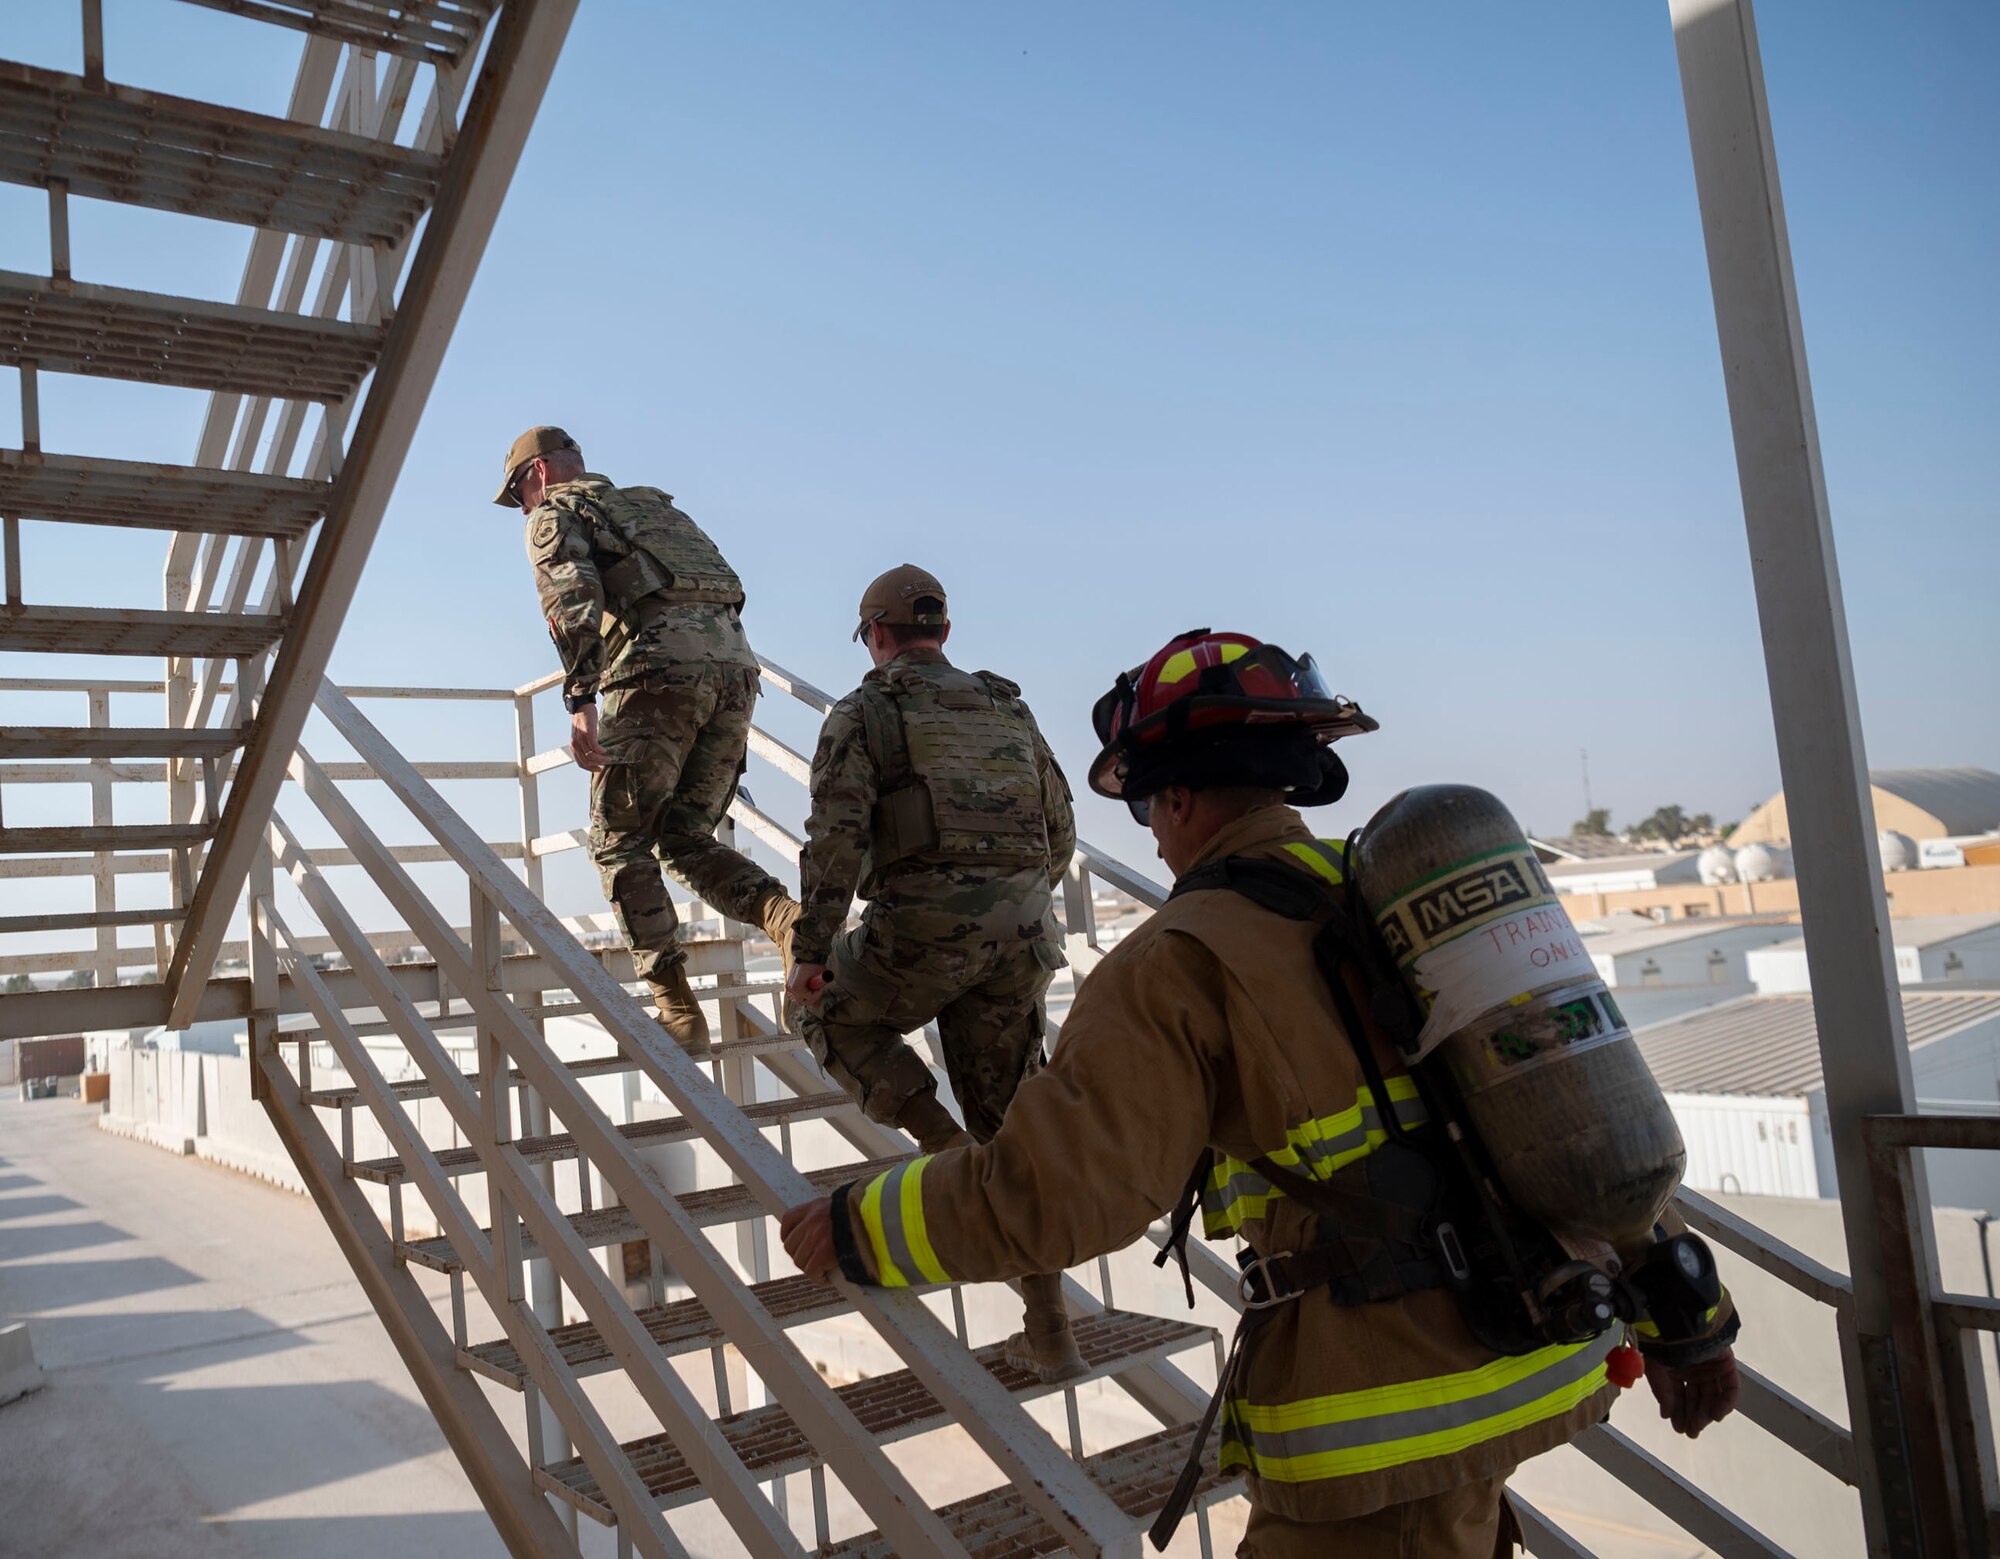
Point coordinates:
[(1551, 1080)]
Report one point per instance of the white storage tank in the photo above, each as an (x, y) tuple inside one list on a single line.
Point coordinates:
[(1899, 851), (1762, 863)]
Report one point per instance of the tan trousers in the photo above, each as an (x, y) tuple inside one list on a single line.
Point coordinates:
[(1471, 1522)]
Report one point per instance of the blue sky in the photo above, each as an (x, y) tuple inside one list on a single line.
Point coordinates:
[(1382, 332)]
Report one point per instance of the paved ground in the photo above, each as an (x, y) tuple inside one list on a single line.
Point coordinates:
[(217, 1386)]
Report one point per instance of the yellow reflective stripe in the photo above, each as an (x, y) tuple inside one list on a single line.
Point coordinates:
[(1649, 1329), (890, 1275), (914, 1230), (1235, 1193), (1389, 1426), (892, 1213), (1181, 663), (1315, 856)]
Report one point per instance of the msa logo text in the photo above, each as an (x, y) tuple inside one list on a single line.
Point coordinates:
[(1436, 912)]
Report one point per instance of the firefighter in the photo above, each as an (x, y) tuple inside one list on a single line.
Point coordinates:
[(1366, 1416)]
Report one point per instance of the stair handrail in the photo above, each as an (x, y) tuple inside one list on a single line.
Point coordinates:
[(1058, 1488)]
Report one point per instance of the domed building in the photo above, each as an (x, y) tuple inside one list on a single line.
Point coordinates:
[(1921, 804)]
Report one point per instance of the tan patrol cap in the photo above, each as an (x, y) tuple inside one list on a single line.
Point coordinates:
[(893, 599), (536, 441)]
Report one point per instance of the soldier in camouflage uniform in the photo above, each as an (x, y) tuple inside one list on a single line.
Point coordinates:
[(935, 796), (643, 609)]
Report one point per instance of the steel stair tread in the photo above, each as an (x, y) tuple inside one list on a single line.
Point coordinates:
[(89, 919), (113, 142), (98, 630), (603, 1226), (591, 1066), (1000, 1524), (545, 1150), (420, 1087), (889, 1407), (103, 836), (684, 1326), (723, 1049), (705, 956), (117, 741), (152, 338), (90, 491), (416, 29)]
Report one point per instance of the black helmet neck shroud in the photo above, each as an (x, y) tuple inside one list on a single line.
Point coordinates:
[(1287, 758), (1213, 710)]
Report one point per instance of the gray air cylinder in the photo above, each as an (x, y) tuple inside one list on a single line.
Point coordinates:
[(1551, 1080)]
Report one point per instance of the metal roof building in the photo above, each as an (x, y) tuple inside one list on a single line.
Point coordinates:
[(1746, 1084)]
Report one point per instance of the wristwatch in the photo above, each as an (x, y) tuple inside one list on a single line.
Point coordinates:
[(574, 704)]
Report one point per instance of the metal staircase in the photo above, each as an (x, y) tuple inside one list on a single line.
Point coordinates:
[(316, 372), (541, 1195)]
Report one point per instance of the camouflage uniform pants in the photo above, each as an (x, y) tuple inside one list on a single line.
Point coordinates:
[(673, 748), (985, 997)]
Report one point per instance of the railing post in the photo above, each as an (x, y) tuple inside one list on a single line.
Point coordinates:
[(1079, 915), (545, 1291), (103, 874), (1908, 1494), (531, 790), (739, 1085), (495, 1094), (262, 1037)]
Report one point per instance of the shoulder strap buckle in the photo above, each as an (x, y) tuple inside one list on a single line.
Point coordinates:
[(1263, 1285)]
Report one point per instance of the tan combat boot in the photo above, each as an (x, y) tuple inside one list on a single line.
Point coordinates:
[(777, 915), (1045, 1347), (926, 1119), (680, 1013)]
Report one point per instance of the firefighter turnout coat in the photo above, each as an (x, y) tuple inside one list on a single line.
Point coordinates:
[(1211, 1028)]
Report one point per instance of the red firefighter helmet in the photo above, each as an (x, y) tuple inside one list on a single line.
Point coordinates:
[(1223, 708)]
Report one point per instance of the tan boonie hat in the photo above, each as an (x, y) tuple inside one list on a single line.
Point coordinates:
[(893, 599), (536, 441)]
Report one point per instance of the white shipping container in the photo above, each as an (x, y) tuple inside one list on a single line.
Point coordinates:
[(1747, 1145)]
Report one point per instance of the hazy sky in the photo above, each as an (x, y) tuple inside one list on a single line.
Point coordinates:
[(1380, 331)]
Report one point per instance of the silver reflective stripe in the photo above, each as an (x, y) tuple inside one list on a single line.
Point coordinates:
[(1383, 1428), (893, 1234)]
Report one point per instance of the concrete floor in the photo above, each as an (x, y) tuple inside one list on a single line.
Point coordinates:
[(217, 1385)]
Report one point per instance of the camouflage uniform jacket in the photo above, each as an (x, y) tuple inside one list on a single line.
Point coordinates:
[(569, 552), (931, 901)]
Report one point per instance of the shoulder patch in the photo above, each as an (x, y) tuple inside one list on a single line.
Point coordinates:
[(544, 533)]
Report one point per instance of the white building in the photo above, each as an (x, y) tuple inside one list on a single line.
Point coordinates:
[(1632, 951), (1929, 949), (1638, 872), (1744, 1082)]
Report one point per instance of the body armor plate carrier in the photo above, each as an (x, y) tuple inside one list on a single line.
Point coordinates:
[(959, 781), (666, 554)]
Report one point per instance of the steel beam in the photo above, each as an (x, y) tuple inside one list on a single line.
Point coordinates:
[(1907, 1477), (518, 64)]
